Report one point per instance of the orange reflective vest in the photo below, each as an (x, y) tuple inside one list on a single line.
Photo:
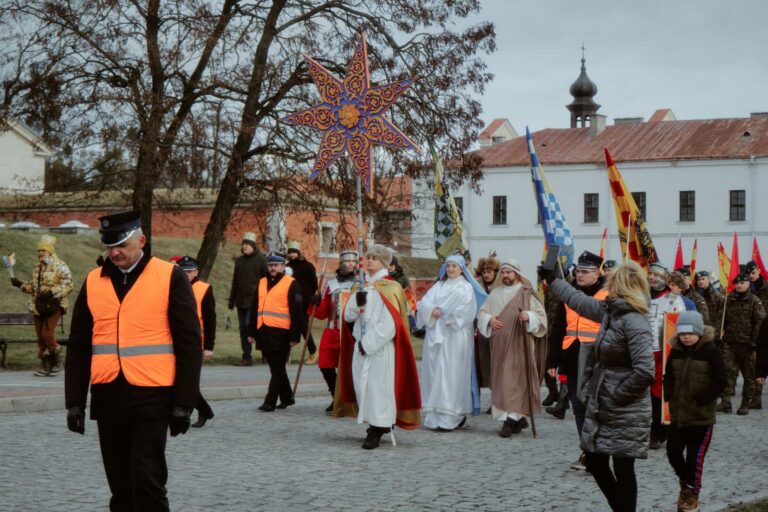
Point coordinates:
[(578, 327), (199, 288), (273, 304), (133, 336)]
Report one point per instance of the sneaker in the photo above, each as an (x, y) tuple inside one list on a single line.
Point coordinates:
[(581, 463), (688, 502), (724, 407), (42, 372)]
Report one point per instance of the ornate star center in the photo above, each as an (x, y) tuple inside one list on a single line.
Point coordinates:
[(349, 116)]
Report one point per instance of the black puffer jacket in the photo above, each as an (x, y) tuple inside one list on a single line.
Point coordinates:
[(617, 376)]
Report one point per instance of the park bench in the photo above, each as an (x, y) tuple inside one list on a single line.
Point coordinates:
[(19, 319)]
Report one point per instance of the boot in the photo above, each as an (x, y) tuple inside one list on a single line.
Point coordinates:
[(743, 409), (374, 437), (551, 383), (508, 427), (201, 420), (55, 361), (45, 367), (558, 410), (724, 406)]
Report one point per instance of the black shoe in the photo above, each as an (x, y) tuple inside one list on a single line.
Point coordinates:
[(461, 423), (551, 398), (508, 427), (201, 420), (557, 411), (655, 443), (756, 404), (373, 438), (244, 362), (441, 429), (724, 407), (519, 425), (265, 407), (329, 409), (284, 405), (488, 411), (743, 409)]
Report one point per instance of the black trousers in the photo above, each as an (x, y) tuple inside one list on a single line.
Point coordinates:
[(203, 408), (279, 385), (329, 374), (134, 461), (618, 485), (311, 347), (694, 441), (658, 430)]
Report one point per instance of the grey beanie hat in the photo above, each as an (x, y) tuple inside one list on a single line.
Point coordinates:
[(690, 322)]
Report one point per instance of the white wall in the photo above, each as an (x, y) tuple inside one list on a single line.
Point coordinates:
[(21, 170), (521, 238)]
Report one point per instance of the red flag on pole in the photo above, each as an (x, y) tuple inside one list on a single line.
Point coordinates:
[(602, 243), (679, 254), (734, 263), (757, 259), (693, 259)]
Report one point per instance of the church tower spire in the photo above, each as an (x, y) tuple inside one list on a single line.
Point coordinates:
[(583, 107)]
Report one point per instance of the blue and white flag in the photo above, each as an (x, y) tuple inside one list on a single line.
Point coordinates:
[(556, 230)]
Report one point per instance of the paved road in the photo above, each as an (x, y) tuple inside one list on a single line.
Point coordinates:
[(299, 459)]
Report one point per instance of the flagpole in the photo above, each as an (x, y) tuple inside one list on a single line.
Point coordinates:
[(309, 329), (361, 256)]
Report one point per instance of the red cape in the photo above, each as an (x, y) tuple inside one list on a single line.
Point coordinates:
[(407, 392)]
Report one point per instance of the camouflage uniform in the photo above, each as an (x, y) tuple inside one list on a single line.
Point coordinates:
[(761, 290), (701, 304), (715, 301), (743, 316)]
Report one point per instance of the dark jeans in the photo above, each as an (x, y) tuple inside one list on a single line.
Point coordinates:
[(134, 461), (573, 397), (329, 374), (694, 441), (618, 485), (243, 319), (311, 347), (658, 430), (279, 385), (203, 408)]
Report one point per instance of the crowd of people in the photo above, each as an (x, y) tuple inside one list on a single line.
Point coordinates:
[(141, 327)]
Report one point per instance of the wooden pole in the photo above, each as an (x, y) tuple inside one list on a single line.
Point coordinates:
[(309, 331), (528, 376)]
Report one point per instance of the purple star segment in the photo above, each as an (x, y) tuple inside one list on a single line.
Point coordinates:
[(352, 116)]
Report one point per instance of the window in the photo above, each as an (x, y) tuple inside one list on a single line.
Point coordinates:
[(687, 206), (639, 198), (499, 210), (459, 206), (591, 208), (327, 238), (738, 205)]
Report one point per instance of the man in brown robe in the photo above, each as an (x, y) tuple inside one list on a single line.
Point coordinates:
[(515, 321)]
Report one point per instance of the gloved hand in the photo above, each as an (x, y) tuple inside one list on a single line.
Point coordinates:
[(15, 282), (546, 275), (315, 299), (76, 420), (360, 298), (361, 349), (179, 421), (231, 306)]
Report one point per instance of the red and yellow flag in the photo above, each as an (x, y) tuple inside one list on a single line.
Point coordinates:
[(602, 243), (734, 270), (757, 259), (723, 265), (636, 245), (693, 259), (679, 254)]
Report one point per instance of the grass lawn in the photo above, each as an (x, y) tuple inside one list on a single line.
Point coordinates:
[(755, 506), (80, 253)]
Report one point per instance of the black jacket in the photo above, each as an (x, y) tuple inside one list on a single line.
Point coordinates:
[(118, 400), (566, 360), (273, 338), (208, 307), (304, 273), (693, 380), (248, 270)]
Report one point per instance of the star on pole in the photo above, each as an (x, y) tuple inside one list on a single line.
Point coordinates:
[(352, 116)]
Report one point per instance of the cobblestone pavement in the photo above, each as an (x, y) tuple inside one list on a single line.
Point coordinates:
[(299, 459)]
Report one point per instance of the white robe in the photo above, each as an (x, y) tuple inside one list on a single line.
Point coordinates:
[(448, 353), (497, 301), (374, 373)]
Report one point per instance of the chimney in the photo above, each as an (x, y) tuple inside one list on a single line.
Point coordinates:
[(596, 125)]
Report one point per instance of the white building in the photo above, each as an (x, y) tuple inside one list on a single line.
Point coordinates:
[(23, 156), (699, 179)]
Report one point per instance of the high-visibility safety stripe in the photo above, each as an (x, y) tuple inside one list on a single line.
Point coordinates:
[(582, 335), (272, 313), (273, 309), (99, 350), (143, 350)]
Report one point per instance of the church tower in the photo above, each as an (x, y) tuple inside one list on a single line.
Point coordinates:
[(583, 107)]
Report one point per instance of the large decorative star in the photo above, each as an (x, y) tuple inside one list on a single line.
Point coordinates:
[(352, 116)]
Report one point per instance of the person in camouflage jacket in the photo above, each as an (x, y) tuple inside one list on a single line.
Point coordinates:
[(744, 314), (690, 293), (760, 288), (51, 283), (714, 300)]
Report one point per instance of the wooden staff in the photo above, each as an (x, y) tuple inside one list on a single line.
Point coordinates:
[(309, 331), (528, 376)]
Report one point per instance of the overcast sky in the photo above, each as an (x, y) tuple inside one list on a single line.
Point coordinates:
[(701, 58)]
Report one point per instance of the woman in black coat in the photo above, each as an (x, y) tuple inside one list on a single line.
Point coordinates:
[(615, 386)]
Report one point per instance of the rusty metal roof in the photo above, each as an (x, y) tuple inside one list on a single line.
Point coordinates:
[(488, 131), (638, 142)]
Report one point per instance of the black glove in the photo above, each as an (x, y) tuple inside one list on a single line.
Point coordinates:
[(76, 420), (315, 299), (361, 349), (546, 275), (360, 298), (231, 306), (15, 282), (179, 421)]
